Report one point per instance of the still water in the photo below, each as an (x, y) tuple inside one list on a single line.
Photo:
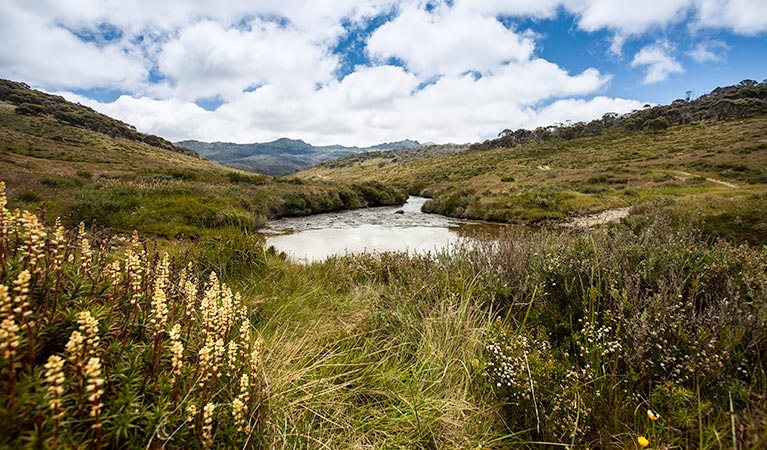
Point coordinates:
[(398, 228)]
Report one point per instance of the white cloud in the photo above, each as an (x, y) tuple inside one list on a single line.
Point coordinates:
[(657, 61), (466, 75), (35, 49), (208, 60), (741, 16), (710, 51), (39, 47), (318, 18), (372, 87), (377, 104), (448, 41), (517, 8), (628, 17), (581, 110)]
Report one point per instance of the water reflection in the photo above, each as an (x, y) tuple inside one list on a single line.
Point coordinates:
[(403, 228)]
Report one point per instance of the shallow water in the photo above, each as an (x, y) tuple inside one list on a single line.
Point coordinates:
[(314, 238)]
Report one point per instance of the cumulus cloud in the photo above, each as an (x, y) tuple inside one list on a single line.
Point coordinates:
[(740, 16), (448, 41), (629, 17), (659, 64), (38, 50), (539, 9), (384, 103), (710, 51), (318, 19), (453, 71), (207, 59), (581, 110)]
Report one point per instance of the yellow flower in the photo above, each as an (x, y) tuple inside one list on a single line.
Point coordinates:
[(653, 416), (643, 442)]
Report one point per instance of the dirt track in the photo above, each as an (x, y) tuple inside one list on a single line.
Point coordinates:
[(601, 218)]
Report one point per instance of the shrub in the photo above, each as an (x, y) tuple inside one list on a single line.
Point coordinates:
[(255, 179), (54, 181), (29, 197), (122, 350), (31, 109)]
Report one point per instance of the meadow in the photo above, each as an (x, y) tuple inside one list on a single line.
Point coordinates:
[(644, 331)]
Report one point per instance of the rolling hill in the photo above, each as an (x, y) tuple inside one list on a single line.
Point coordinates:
[(708, 157), (84, 166), (33, 103)]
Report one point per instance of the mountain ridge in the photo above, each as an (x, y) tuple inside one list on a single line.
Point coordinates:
[(284, 155)]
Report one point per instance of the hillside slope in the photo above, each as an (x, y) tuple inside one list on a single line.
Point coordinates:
[(282, 156), (123, 183), (34, 103), (715, 170)]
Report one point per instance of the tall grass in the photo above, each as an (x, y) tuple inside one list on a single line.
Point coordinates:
[(644, 333), (608, 324)]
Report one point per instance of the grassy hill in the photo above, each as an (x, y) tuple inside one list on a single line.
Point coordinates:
[(714, 172), (83, 174), (34, 103)]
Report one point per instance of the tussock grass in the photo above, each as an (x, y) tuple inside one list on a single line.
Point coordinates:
[(545, 339)]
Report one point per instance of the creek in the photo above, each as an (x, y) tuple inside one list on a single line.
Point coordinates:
[(381, 229)]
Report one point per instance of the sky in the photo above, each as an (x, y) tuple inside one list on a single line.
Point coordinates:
[(363, 72)]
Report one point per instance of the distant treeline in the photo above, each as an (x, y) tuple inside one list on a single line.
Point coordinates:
[(35, 103), (746, 99)]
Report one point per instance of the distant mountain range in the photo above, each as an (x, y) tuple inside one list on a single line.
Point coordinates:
[(282, 156)]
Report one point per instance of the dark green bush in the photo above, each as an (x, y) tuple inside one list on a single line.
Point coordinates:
[(54, 181), (31, 109), (255, 179)]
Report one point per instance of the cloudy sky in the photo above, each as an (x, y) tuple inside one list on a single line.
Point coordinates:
[(360, 72)]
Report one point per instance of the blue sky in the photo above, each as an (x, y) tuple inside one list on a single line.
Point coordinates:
[(360, 72)]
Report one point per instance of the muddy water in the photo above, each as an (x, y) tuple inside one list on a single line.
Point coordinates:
[(400, 228)]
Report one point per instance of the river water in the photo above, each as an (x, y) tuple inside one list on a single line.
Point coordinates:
[(398, 228)]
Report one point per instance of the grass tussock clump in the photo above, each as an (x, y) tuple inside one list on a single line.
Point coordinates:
[(124, 349)]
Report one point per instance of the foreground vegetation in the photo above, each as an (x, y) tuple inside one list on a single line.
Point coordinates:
[(547, 339)]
